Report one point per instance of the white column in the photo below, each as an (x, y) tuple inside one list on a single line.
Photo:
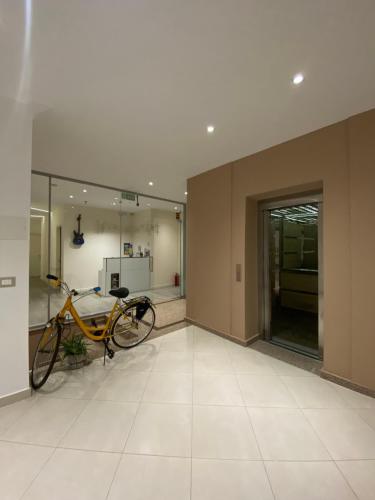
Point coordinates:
[(15, 174)]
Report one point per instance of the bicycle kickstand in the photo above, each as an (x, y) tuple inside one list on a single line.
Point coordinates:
[(107, 350)]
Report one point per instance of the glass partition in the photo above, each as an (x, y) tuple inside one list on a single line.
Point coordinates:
[(96, 236), (85, 243), (38, 255)]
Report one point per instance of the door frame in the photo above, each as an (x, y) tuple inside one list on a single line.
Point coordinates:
[(264, 208)]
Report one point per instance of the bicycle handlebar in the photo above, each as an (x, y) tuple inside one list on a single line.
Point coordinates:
[(65, 287)]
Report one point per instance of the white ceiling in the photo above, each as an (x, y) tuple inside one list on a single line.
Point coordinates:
[(127, 87)]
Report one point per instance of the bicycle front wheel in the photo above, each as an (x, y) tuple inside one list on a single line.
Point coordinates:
[(128, 331), (45, 355)]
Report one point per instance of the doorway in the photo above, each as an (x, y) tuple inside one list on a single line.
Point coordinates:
[(292, 274)]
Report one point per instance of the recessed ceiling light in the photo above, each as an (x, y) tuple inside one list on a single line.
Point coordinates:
[(71, 196), (84, 190), (210, 129), (113, 203), (148, 204), (298, 79), (176, 208), (115, 198), (150, 183), (185, 193), (72, 207)]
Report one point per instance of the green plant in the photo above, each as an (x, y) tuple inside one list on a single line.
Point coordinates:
[(74, 346)]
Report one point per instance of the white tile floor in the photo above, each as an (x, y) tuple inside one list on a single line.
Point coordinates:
[(189, 416)]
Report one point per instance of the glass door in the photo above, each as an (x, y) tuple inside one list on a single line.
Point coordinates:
[(292, 240)]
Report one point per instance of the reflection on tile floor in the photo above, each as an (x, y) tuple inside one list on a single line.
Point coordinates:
[(86, 306), (185, 416)]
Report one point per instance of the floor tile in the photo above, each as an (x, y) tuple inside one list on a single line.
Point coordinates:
[(354, 399), (212, 362), (19, 465), (216, 389), (265, 390), (360, 476), (282, 368), (161, 429), (46, 422), (142, 477), (308, 481), (169, 388), (251, 361), (229, 479), (75, 474), (174, 361), (209, 342), (344, 433), (313, 392), (121, 385), (286, 434), (368, 416), (11, 413), (223, 432), (102, 426), (139, 359), (182, 340), (82, 383)]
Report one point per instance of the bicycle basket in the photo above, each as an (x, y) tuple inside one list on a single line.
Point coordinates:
[(141, 309)]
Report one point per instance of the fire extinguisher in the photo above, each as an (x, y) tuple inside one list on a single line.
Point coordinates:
[(176, 279)]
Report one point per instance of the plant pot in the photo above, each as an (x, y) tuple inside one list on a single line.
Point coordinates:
[(75, 361)]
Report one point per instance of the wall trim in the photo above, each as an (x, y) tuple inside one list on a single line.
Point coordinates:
[(347, 383), (236, 340), (15, 396)]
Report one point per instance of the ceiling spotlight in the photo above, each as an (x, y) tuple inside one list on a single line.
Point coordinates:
[(298, 79), (115, 198), (210, 129), (84, 190), (185, 193), (113, 203), (71, 196), (148, 204), (72, 207), (176, 208), (150, 183)]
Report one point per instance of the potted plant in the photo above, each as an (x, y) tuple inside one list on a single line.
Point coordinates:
[(75, 351)]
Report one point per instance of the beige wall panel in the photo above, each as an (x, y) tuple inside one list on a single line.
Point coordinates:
[(209, 249), (362, 173), (229, 195)]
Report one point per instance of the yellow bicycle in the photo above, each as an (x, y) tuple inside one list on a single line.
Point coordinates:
[(129, 323)]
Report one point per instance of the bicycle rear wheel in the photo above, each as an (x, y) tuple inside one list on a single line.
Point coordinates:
[(128, 331), (45, 355)]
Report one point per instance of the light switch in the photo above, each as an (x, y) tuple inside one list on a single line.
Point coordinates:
[(7, 282)]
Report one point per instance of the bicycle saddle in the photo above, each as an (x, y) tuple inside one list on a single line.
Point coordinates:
[(120, 293)]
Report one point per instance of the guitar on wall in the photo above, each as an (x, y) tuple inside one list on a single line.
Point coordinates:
[(78, 236)]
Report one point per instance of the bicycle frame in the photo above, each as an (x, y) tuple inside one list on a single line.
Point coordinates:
[(95, 333)]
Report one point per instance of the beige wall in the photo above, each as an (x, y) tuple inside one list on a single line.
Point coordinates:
[(222, 232)]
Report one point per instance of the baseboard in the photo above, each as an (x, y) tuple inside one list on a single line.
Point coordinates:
[(347, 383), (15, 396), (236, 340)]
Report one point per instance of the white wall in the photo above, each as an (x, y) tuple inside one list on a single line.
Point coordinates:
[(15, 172), (166, 247), (101, 230)]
